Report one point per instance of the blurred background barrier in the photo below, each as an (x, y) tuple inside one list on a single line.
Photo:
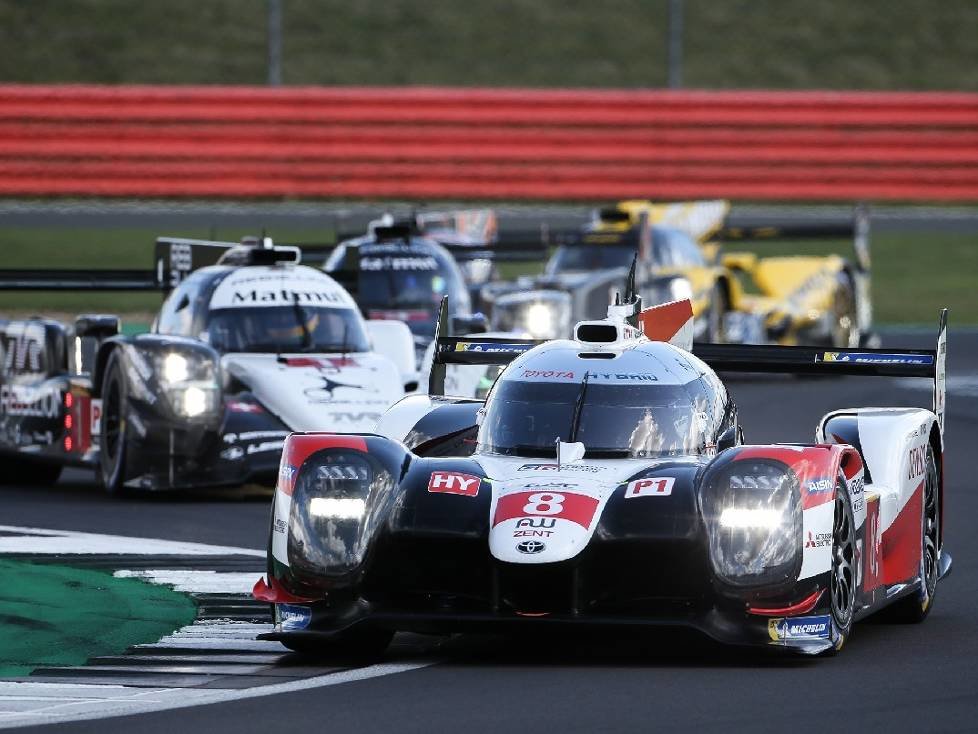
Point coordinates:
[(465, 143)]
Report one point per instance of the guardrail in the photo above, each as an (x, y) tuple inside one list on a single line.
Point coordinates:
[(438, 143)]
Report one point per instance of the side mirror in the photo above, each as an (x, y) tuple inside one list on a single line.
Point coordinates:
[(731, 437)]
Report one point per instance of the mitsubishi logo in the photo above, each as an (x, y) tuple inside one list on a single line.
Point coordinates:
[(531, 546)]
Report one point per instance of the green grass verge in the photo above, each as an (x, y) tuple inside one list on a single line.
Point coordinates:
[(55, 615), (839, 44), (914, 275)]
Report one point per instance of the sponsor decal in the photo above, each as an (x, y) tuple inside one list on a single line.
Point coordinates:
[(284, 295), (577, 508), (259, 448), (242, 406), (453, 482), (917, 463), (549, 485), (490, 347), (563, 467), (820, 485), (536, 522), (623, 376), (531, 547), (30, 401), (286, 473), (650, 487), (294, 617), (280, 526), (818, 540), (398, 263), (323, 393), (856, 485), (783, 629), (96, 416), (532, 533), (873, 358), (253, 436), (857, 505), (341, 417), (548, 374), (23, 348)]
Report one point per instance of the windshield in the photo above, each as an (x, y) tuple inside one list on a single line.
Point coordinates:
[(583, 258), (615, 420), (293, 328)]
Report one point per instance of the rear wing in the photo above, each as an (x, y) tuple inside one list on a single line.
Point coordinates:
[(924, 363), (747, 228), (174, 258)]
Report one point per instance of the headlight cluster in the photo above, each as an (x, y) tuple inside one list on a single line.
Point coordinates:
[(189, 381), (753, 516), (541, 315), (337, 505)]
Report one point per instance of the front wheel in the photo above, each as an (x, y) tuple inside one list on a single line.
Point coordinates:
[(360, 644), (112, 434)]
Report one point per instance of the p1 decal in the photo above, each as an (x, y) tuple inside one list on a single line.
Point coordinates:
[(577, 508), (787, 629), (96, 416), (650, 487), (453, 482)]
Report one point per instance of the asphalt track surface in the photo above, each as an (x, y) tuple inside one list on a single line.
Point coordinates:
[(888, 677)]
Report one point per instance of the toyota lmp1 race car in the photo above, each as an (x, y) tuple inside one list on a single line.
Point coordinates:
[(248, 346), (605, 482)]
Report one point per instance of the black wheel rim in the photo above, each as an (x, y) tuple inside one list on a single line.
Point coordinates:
[(930, 544), (843, 553)]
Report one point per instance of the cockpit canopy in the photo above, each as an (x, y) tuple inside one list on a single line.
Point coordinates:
[(631, 405)]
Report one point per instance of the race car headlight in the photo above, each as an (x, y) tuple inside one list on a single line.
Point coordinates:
[(541, 315), (337, 505), (752, 511), (189, 381)]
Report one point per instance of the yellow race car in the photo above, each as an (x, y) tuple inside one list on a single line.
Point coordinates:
[(741, 296)]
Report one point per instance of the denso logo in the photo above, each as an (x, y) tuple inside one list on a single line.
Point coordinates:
[(453, 482), (917, 462)]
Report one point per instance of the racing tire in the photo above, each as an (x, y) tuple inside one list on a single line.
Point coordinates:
[(361, 644), (112, 432), (716, 315), (842, 577), (914, 608), (845, 322), (14, 470)]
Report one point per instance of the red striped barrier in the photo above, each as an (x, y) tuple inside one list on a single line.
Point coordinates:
[(436, 143)]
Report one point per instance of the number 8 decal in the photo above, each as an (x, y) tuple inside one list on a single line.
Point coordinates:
[(544, 503)]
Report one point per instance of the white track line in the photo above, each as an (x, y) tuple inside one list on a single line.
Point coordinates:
[(123, 701), (45, 542)]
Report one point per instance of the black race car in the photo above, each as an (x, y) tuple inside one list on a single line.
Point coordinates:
[(248, 346)]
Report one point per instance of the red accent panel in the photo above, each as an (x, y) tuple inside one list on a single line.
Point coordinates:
[(814, 466), (872, 547), (578, 508), (300, 446), (803, 607), (662, 323), (901, 541), (274, 592)]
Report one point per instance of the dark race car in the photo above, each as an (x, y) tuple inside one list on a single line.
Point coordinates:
[(396, 273), (248, 346), (605, 482)]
